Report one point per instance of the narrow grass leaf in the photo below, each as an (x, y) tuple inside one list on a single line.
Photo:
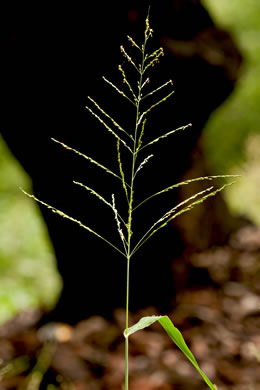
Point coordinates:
[(175, 335), (56, 211), (144, 322)]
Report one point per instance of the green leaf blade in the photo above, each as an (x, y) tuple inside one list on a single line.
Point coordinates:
[(144, 322), (175, 335)]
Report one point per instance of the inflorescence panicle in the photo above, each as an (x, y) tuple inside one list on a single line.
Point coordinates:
[(134, 144)]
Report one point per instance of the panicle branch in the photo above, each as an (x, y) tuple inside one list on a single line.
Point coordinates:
[(170, 215), (121, 170), (120, 231), (133, 43), (147, 81), (119, 91), (157, 89), (154, 58), (141, 136), (185, 182), (129, 59), (127, 83), (165, 135), (87, 158), (110, 118), (93, 192), (108, 128), (148, 31), (56, 211), (143, 163), (154, 105)]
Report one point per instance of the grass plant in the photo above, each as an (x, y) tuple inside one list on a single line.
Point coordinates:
[(133, 142)]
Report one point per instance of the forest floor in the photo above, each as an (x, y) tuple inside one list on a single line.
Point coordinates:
[(220, 321)]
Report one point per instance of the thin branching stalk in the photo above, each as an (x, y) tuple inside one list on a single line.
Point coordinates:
[(172, 214), (88, 158), (134, 145), (109, 117), (66, 216), (130, 210), (182, 183), (146, 62), (118, 90), (108, 128)]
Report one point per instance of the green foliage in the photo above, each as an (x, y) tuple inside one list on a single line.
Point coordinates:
[(232, 127), (249, 184), (237, 14), (174, 334), (26, 257), (238, 117)]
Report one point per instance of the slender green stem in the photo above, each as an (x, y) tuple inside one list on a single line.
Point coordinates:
[(126, 363), (130, 210), (127, 323)]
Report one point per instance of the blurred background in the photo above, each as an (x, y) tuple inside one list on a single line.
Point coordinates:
[(232, 136), (28, 276)]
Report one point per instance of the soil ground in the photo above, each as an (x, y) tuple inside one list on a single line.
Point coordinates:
[(219, 319)]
